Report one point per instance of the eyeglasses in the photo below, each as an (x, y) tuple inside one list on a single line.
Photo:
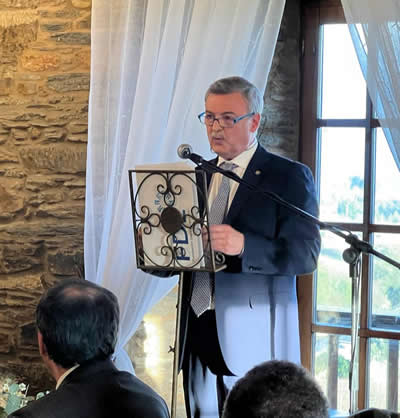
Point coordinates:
[(225, 121)]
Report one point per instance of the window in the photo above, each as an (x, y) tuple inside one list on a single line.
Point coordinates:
[(358, 184)]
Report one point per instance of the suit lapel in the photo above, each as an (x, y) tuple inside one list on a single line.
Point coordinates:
[(254, 174)]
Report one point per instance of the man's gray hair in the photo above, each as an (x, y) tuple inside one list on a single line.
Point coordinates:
[(240, 85)]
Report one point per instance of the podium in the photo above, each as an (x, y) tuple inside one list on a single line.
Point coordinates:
[(171, 230)]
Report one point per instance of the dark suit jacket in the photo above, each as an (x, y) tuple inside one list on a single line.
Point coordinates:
[(255, 296), (98, 390)]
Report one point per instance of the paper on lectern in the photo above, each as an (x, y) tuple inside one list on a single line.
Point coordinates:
[(151, 181)]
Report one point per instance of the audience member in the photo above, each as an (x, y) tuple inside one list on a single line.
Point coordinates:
[(276, 389), (77, 324), (375, 413)]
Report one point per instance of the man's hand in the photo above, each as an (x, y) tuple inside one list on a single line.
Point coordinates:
[(226, 239)]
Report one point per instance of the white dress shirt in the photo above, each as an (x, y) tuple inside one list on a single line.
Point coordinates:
[(242, 161)]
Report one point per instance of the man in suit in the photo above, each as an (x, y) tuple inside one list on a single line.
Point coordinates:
[(276, 389), (77, 325), (252, 315)]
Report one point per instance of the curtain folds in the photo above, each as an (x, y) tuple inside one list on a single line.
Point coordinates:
[(151, 64), (375, 29)]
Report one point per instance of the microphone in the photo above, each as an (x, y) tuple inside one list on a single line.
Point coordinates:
[(185, 152)]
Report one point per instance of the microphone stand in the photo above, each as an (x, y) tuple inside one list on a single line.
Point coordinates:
[(351, 256)]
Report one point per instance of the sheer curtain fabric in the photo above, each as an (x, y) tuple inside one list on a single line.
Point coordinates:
[(151, 64), (375, 29)]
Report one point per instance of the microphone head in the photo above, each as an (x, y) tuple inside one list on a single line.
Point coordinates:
[(184, 151)]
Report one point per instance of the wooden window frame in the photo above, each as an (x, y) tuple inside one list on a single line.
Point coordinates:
[(314, 14)]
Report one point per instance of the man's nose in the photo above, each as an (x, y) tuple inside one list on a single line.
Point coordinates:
[(216, 126)]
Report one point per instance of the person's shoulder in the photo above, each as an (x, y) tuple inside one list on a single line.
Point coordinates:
[(144, 399), (278, 159), (279, 164), (43, 408)]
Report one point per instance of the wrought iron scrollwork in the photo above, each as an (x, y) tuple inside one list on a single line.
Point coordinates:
[(163, 217)]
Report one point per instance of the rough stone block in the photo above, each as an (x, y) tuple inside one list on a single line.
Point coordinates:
[(3, 139), (19, 134), (28, 337), (18, 28), (27, 88), (21, 292), (37, 182), (5, 86), (78, 128), (19, 258), (67, 13), (53, 134), (84, 23), (46, 196), (19, 4), (35, 132), (32, 372), (40, 62), (12, 172), (65, 262), (77, 182), (69, 82), (82, 138), (15, 124), (10, 203), (61, 211), (57, 159), (82, 4), (72, 38), (55, 27), (12, 316), (4, 343), (8, 156), (52, 231)]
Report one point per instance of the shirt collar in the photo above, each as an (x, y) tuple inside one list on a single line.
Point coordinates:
[(65, 374), (242, 160)]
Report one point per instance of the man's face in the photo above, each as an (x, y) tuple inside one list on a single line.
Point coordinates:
[(230, 142)]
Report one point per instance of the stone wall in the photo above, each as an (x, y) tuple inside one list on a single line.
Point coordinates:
[(44, 86), (280, 126)]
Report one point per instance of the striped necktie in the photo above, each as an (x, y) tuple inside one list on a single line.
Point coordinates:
[(203, 283)]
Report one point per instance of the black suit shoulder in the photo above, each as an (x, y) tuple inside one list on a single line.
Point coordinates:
[(98, 391)]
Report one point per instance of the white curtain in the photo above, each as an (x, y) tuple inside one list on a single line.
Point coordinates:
[(151, 64), (375, 30)]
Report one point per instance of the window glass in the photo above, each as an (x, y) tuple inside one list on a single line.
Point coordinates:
[(333, 283), (343, 85), (331, 368), (342, 174), (386, 284), (383, 377), (387, 189)]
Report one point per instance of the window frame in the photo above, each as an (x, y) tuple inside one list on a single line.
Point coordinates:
[(314, 14)]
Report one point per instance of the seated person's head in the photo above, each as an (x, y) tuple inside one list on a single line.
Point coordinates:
[(375, 413), (77, 321), (276, 389)]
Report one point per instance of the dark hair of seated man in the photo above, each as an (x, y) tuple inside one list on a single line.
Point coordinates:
[(73, 338), (375, 413), (276, 389)]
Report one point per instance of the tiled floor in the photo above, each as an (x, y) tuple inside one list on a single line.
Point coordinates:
[(153, 362)]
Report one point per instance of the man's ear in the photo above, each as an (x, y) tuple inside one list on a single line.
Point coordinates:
[(42, 345), (255, 122)]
